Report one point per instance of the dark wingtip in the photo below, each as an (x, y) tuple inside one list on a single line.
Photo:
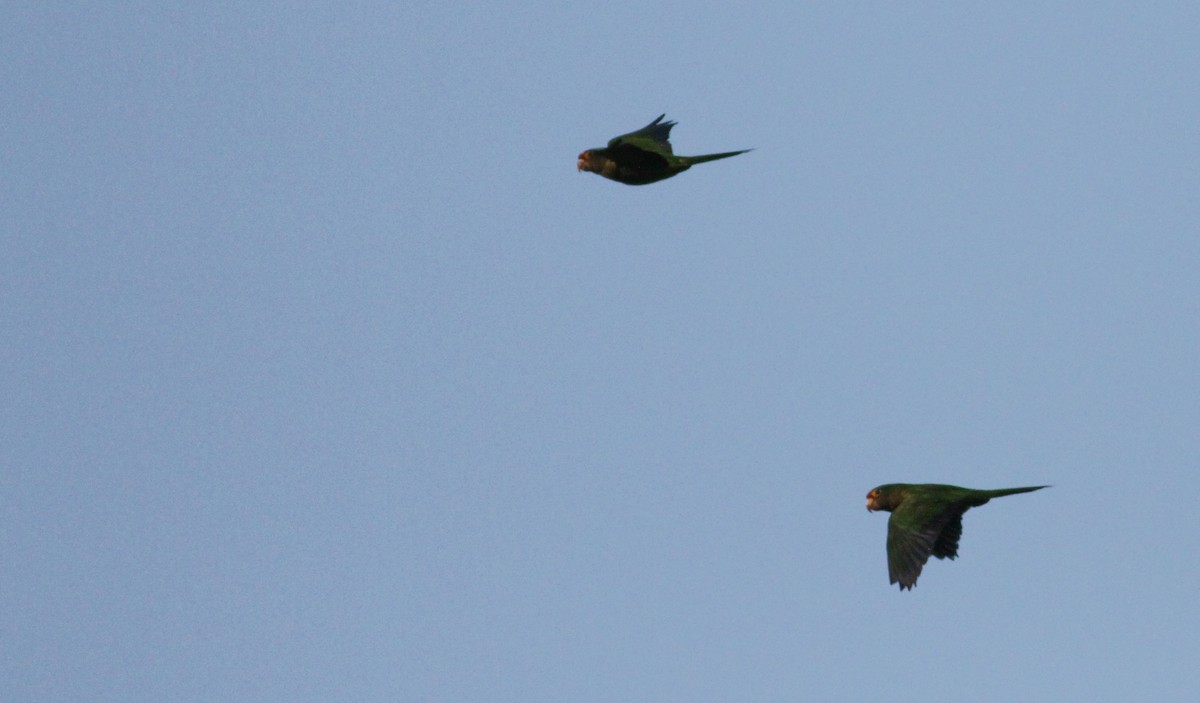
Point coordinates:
[(660, 124)]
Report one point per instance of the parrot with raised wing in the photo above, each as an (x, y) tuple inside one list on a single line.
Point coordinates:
[(642, 157)]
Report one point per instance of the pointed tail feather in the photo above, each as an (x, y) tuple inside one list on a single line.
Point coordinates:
[(712, 157), (1012, 491)]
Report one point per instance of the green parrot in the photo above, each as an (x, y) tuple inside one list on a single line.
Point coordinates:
[(643, 156), (926, 519)]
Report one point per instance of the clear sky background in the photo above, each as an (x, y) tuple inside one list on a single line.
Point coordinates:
[(325, 376)]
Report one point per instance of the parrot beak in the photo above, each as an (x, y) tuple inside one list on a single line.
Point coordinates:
[(584, 159)]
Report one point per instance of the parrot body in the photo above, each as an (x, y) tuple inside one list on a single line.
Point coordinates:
[(642, 157), (926, 520)]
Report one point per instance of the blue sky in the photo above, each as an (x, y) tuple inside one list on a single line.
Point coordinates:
[(327, 377)]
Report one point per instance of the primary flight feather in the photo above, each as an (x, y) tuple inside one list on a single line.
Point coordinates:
[(926, 520), (642, 157)]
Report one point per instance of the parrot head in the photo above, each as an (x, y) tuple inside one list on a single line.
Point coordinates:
[(585, 161), (881, 498)]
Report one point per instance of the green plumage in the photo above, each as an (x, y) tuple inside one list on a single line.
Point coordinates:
[(926, 520), (642, 157)]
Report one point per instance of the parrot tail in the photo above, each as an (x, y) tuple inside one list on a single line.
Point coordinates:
[(1012, 491), (712, 157)]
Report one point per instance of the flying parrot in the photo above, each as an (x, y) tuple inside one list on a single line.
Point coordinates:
[(643, 156), (926, 519)]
